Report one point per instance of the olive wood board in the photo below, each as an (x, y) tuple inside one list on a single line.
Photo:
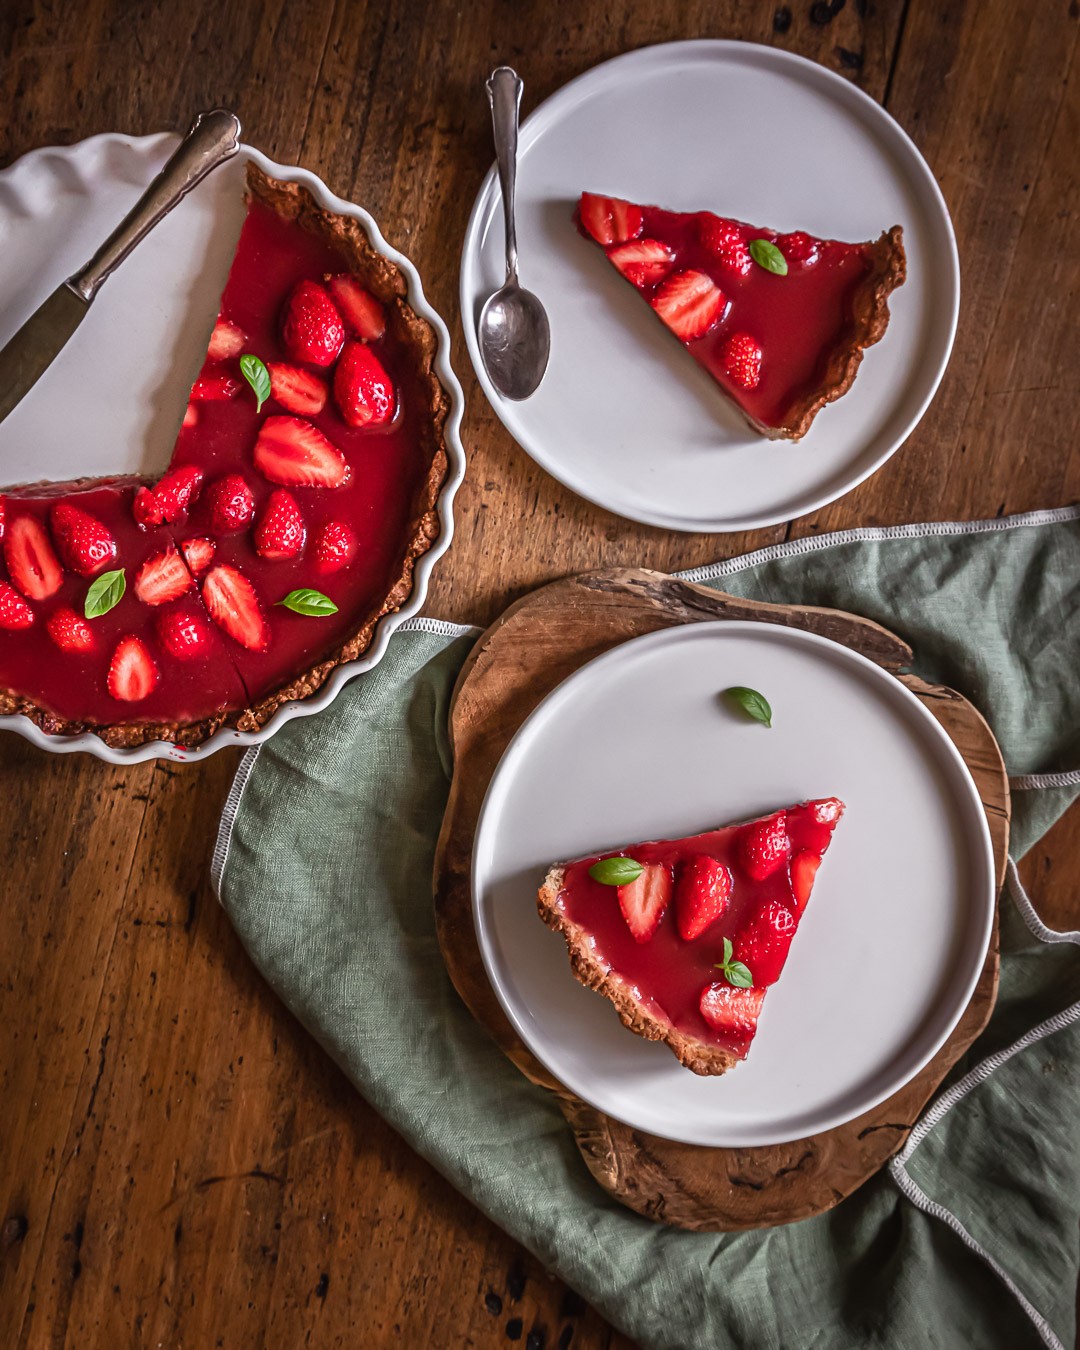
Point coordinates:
[(531, 649)]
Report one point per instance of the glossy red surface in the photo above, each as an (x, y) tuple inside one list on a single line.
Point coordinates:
[(387, 469), (73, 685), (669, 973), (798, 319)]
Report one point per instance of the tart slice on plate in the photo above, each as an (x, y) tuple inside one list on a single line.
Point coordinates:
[(685, 936), (300, 492), (780, 321)]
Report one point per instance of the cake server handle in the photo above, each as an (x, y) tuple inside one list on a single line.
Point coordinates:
[(214, 137)]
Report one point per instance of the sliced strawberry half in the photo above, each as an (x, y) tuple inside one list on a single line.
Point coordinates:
[(132, 673), (732, 1010), (293, 453), (191, 418), (312, 326), (642, 261), (216, 384), (85, 545), (763, 943), (69, 630), (363, 391), (162, 578), (335, 546), (15, 613), (644, 901), (233, 605), (198, 553), (804, 868), (31, 562), (359, 308), (690, 303), (184, 634), (226, 341), (826, 811), (702, 894), (763, 846), (299, 390), (231, 503), (740, 359), (610, 220), (280, 532)]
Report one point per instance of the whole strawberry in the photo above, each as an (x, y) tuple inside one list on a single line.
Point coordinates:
[(83, 542), (740, 357), (15, 613), (363, 391), (312, 327), (69, 630), (764, 845), (799, 248), (702, 894), (280, 532), (231, 503), (726, 242), (335, 547)]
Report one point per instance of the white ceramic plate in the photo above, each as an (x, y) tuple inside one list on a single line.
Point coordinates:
[(123, 378), (623, 416), (638, 745)]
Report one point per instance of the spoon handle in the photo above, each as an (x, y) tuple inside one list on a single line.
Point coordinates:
[(504, 88)]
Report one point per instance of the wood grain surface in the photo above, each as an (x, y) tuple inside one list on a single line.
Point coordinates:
[(179, 1164), (525, 654)]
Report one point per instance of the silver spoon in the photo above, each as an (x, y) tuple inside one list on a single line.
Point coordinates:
[(515, 339)]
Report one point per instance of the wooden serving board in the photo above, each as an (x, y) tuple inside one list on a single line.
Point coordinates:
[(531, 649)]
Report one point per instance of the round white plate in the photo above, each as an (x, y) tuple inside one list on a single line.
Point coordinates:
[(638, 745), (624, 417), (112, 401)]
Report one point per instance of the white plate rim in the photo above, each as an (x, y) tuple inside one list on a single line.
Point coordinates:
[(983, 858), (563, 100), (88, 742)]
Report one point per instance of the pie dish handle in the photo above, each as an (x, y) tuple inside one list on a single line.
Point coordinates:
[(214, 137)]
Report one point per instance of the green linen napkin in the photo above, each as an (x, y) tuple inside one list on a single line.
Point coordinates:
[(970, 1237)]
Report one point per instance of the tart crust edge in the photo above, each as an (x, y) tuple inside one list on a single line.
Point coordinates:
[(590, 971)]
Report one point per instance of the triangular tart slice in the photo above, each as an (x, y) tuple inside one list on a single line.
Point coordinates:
[(780, 321), (687, 946)]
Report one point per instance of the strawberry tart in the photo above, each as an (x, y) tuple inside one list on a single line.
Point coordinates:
[(686, 936), (301, 490), (780, 321)]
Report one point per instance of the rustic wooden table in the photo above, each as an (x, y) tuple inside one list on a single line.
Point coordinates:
[(179, 1163)]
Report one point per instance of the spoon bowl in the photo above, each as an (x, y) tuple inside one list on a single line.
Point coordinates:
[(515, 341)]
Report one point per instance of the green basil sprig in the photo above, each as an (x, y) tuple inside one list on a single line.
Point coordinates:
[(767, 255), (256, 374), (616, 871), (312, 603), (750, 702), (734, 971), (105, 592)]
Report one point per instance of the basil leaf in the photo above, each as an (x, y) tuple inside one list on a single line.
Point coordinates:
[(739, 975), (312, 603), (767, 255), (727, 951), (105, 591), (749, 701), (257, 376), (616, 871)]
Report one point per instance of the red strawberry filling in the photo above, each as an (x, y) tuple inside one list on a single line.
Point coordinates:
[(762, 312), (703, 909), (314, 490)]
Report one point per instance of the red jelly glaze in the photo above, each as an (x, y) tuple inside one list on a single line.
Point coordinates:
[(387, 468), (378, 504), (72, 685), (669, 973), (798, 320)]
